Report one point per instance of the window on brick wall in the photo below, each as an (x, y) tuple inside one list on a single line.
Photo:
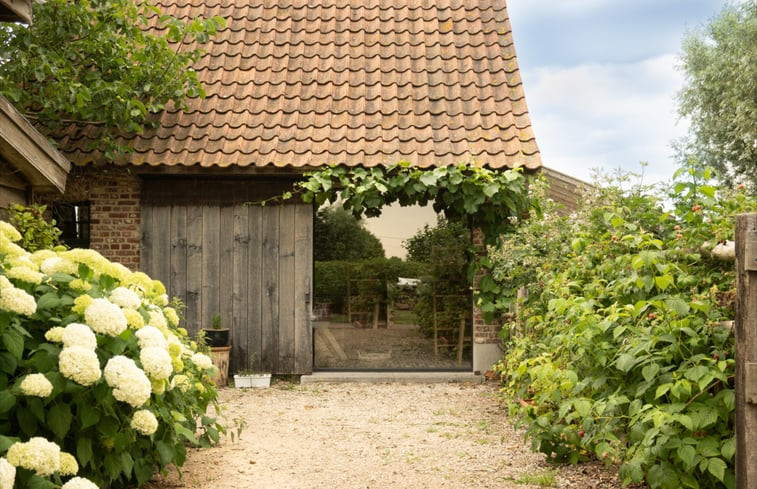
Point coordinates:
[(73, 220)]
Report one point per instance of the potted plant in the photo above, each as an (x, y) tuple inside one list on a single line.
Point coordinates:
[(252, 376), (217, 335), (218, 339)]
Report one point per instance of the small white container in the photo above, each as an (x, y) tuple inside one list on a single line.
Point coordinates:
[(252, 380)]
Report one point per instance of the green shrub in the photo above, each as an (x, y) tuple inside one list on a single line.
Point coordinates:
[(36, 232), (95, 373), (619, 351)]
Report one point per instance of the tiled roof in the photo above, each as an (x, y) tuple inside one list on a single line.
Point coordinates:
[(356, 82)]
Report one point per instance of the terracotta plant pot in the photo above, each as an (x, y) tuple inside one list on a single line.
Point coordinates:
[(217, 337)]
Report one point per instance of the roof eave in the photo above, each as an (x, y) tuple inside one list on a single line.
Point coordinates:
[(16, 11), (29, 151)]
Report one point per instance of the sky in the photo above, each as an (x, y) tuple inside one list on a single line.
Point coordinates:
[(601, 77)]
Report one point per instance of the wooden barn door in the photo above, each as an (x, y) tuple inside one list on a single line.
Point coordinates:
[(251, 264)]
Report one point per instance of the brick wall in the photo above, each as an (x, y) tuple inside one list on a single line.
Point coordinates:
[(483, 332), (114, 197)]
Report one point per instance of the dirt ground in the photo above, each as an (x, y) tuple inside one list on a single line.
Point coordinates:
[(374, 436)]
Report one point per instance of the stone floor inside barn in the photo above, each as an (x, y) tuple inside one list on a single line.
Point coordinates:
[(397, 347)]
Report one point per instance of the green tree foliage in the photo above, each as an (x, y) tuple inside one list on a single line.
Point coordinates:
[(94, 62), (444, 251), (337, 235), (621, 351), (431, 240), (720, 94)]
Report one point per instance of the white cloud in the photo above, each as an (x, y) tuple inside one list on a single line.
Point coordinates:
[(606, 115)]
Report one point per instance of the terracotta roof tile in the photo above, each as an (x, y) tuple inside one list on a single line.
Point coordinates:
[(305, 83)]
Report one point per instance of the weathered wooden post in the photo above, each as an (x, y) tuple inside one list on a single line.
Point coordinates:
[(746, 352)]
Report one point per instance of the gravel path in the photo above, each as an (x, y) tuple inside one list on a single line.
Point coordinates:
[(374, 436)]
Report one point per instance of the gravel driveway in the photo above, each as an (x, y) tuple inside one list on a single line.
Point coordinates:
[(374, 436)]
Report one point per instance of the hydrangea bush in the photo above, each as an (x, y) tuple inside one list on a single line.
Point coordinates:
[(99, 386)]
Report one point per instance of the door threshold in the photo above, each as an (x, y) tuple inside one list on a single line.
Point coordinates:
[(416, 376)]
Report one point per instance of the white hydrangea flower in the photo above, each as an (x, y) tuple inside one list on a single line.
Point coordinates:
[(89, 257), (178, 364), (10, 232), (79, 483), (5, 283), (181, 382), (37, 454), (135, 392), (82, 302), (129, 382), (156, 362), (68, 464), (7, 474), (55, 334), (56, 264), (105, 317), (145, 422), (77, 334), (24, 260), (26, 274), (202, 361), (17, 301), (175, 346), (171, 316), (125, 298), (151, 336), (80, 365), (80, 284), (158, 386), (118, 271), (162, 300), (134, 319), (41, 255), (36, 385), (157, 319), (140, 280), (115, 366), (9, 248)]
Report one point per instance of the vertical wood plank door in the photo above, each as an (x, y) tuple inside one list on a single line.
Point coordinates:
[(252, 265)]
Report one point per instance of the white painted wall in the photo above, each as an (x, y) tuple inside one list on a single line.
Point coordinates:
[(396, 224)]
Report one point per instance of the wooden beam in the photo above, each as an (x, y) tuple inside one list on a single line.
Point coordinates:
[(16, 11), (746, 351), (28, 150)]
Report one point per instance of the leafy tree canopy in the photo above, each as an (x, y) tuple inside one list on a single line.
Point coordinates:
[(340, 236), (94, 62), (720, 94), (427, 242)]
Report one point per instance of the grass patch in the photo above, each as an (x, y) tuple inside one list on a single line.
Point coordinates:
[(541, 479)]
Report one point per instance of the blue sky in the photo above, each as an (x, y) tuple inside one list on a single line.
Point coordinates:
[(601, 78)]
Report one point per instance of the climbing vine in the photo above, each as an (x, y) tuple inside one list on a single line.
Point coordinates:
[(490, 200)]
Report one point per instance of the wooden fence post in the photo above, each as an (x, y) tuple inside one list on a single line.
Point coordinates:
[(746, 351)]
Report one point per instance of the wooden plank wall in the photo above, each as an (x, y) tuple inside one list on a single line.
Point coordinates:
[(745, 333), (564, 190), (251, 264)]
